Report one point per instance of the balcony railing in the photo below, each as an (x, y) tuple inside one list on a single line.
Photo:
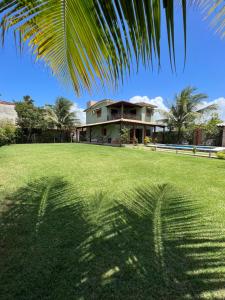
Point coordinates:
[(124, 116)]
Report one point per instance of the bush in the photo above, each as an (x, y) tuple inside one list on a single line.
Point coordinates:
[(147, 140), (220, 154), (125, 136), (7, 133)]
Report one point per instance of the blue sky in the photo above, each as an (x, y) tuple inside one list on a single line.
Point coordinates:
[(205, 69)]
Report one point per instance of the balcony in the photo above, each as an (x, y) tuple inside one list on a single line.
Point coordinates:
[(123, 116)]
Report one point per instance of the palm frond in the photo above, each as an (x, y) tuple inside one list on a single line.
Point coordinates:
[(91, 41), (214, 10)]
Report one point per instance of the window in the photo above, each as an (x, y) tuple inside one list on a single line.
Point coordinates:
[(99, 113), (114, 111), (104, 131), (148, 112), (133, 111)]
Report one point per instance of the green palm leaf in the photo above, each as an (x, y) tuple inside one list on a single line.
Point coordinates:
[(96, 41)]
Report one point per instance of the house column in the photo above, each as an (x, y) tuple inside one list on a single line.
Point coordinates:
[(120, 133), (77, 135), (134, 133), (163, 135), (154, 132), (90, 135), (223, 137), (144, 134), (122, 109)]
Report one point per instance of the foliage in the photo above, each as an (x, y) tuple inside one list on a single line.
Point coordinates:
[(210, 128), (60, 114), (84, 41), (125, 136), (29, 116), (186, 110), (7, 133), (155, 140), (147, 140), (220, 154), (194, 150)]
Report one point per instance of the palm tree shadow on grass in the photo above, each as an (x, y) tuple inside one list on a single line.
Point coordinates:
[(149, 244)]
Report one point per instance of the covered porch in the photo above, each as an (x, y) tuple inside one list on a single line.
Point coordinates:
[(109, 132)]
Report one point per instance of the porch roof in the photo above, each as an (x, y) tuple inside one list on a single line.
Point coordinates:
[(130, 104), (123, 121)]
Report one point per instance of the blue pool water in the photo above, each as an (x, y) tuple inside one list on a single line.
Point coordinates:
[(187, 147)]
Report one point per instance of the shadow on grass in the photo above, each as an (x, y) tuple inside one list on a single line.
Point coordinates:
[(149, 244)]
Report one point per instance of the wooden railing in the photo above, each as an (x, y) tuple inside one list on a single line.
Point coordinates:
[(124, 116)]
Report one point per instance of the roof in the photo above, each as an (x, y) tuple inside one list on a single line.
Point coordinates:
[(6, 102), (127, 103), (123, 120), (113, 103), (146, 104), (99, 102), (221, 125), (116, 103)]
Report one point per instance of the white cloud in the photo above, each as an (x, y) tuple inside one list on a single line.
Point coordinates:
[(157, 101), (160, 103), (220, 102), (80, 113)]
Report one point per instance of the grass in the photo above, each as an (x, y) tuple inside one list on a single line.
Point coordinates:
[(92, 222)]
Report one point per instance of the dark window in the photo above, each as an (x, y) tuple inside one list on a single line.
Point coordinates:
[(104, 131), (114, 111), (99, 113), (148, 112), (133, 111)]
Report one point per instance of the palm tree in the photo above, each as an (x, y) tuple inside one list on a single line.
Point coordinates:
[(60, 115), (187, 108), (28, 100), (85, 41)]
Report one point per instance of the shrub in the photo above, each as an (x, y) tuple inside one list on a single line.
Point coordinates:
[(155, 140), (147, 140), (125, 136), (194, 150), (220, 154), (7, 133)]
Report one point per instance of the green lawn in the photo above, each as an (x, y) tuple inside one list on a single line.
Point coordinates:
[(94, 222)]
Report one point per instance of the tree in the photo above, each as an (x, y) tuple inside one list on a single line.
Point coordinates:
[(29, 116), (211, 128), (60, 115), (87, 41), (187, 108)]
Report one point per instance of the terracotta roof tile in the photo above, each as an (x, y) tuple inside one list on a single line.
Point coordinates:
[(6, 102)]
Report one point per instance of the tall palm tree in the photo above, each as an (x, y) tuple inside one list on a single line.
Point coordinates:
[(90, 40), (187, 108), (60, 115)]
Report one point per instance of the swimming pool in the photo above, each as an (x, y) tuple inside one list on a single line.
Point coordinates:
[(188, 147)]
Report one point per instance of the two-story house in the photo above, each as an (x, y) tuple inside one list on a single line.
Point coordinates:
[(105, 120)]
